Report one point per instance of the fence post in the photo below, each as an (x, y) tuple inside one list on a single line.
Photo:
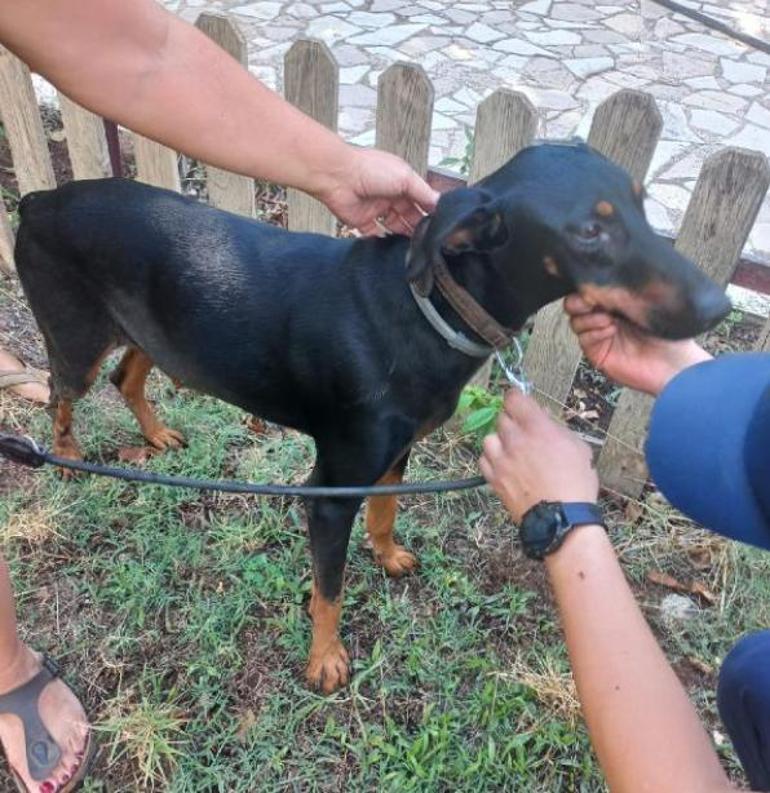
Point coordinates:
[(404, 111), (506, 122), (227, 190), (155, 163), (6, 242), (625, 128), (23, 126), (311, 83), (86, 141), (718, 220)]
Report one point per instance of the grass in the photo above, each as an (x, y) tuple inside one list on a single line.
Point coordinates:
[(181, 618)]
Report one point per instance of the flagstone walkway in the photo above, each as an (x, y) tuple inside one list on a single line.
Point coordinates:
[(566, 55)]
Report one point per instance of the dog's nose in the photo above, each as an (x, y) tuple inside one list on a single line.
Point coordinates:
[(711, 307)]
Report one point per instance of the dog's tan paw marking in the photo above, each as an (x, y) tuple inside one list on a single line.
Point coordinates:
[(397, 562), (164, 438), (328, 669)]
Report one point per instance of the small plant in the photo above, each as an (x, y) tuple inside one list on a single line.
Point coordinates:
[(467, 158), (480, 409)]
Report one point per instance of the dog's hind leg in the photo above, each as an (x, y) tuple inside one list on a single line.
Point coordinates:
[(130, 378), (380, 518)]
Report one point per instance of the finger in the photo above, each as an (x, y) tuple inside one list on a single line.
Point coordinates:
[(397, 223), (594, 337), (493, 448), (510, 434), (575, 305), (487, 471), (598, 320), (421, 193), (521, 408), (409, 213)]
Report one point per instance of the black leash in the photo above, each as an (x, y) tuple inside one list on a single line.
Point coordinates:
[(715, 24), (24, 451)]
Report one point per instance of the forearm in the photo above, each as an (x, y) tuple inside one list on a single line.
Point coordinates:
[(140, 66), (644, 729)]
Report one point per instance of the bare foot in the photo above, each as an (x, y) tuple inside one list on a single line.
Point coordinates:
[(34, 391), (61, 713), (161, 437), (397, 561)]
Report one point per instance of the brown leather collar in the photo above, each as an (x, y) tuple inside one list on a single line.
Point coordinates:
[(477, 318)]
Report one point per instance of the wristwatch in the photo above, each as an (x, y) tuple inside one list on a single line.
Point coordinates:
[(545, 526)]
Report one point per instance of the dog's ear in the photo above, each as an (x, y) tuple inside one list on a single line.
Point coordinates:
[(465, 220)]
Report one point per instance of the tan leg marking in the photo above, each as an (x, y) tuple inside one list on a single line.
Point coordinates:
[(64, 443), (130, 378), (380, 517), (327, 667)]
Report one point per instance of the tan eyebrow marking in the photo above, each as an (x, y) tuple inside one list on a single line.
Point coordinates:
[(605, 209)]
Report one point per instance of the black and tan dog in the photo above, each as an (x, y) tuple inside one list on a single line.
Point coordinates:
[(325, 335)]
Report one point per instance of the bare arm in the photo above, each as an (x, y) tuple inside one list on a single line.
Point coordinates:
[(644, 729), (142, 67)]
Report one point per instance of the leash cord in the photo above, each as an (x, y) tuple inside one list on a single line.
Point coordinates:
[(24, 451)]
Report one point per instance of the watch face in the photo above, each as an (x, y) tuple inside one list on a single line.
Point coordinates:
[(541, 524)]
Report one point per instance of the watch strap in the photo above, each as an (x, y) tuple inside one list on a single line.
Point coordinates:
[(581, 513)]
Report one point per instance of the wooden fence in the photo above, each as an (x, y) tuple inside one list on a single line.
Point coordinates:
[(625, 127)]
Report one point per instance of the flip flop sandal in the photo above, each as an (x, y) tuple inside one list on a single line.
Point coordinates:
[(43, 753), (10, 378)]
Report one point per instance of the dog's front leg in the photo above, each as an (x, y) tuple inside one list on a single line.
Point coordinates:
[(330, 522)]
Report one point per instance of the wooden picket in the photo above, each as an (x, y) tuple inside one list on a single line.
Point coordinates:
[(229, 191), (23, 126), (404, 113), (716, 225), (625, 128), (506, 121), (311, 83), (86, 141), (6, 242), (156, 164)]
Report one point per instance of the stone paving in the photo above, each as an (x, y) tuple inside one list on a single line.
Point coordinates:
[(566, 55)]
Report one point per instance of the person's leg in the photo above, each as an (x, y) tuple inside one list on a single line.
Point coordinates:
[(743, 697), (59, 708)]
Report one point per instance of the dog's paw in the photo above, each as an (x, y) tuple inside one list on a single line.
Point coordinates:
[(328, 670), (397, 562), (164, 438), (69, 450)]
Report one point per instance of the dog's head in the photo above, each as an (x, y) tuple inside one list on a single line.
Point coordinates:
[(561, 218)]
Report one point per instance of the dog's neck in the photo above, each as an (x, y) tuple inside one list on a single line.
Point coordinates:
[(510, 301)]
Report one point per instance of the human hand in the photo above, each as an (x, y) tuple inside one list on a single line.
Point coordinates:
[(531, 458), (374, 185), (626, 355)]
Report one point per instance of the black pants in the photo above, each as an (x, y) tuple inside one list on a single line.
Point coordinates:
[(743, 697)]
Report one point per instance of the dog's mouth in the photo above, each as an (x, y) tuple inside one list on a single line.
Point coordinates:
[(659, 309)]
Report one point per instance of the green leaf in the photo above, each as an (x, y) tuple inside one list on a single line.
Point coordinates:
[(482, 417)]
